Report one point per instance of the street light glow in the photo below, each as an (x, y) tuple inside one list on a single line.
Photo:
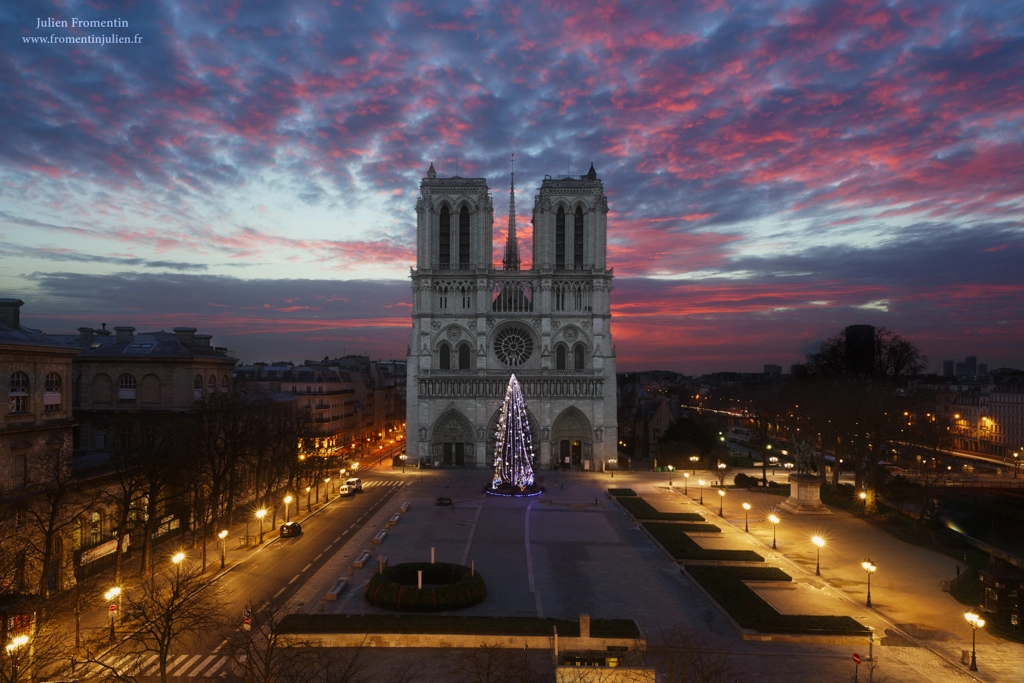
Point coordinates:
[(176, 558), (223, 534), (112, 593)]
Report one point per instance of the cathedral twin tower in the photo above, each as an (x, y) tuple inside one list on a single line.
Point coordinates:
[(473, 325)]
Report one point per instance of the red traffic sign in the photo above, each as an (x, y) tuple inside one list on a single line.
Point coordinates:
[(113, 608), (247, 624), (856, 658)]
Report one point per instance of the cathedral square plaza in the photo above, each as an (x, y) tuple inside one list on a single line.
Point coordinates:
[(574, 550)]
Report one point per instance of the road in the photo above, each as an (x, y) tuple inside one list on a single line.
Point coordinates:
[(268, 577)]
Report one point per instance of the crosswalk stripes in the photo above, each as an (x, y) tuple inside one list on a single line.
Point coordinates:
[(145, 667)]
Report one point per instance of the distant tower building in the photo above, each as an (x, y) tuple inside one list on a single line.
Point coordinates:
[(971, 366), (982, 369), (473, 325), (773, 369), (860, 349), (948, 368)]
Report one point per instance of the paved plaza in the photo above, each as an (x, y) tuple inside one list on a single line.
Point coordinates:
[(572, 550)]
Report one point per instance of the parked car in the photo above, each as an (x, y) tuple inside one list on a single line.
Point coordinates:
[(345, 490), (355, 484), (291, 529)]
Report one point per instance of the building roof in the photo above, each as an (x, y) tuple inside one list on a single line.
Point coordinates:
[(25, 336), (143, 345)]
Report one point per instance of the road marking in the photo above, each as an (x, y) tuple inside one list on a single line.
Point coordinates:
[(529, 564), (337, 539), (283, 588), (293, 579), (173, 665), (187, 665), (262, 607), (307, 566), (219, 664), (222, 644), (203, 665), (318, 557), (472, 532)]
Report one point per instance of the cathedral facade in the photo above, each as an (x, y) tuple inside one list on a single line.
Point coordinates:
[(474, 324)]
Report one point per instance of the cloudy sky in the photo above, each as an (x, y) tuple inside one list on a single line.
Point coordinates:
[(775, 171)]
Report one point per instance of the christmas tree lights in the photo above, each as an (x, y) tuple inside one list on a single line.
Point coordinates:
[(513, 450)]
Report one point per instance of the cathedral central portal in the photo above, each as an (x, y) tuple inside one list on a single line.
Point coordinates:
[(474, 324)]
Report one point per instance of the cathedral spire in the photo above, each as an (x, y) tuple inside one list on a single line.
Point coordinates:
[(511, 260)]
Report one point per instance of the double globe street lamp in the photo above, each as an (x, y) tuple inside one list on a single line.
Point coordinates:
[(746, 517), (820, 543), (774, 519), (870, 568), (976, 622)]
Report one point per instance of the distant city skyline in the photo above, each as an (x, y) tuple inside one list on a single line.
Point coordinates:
[(774, 173)]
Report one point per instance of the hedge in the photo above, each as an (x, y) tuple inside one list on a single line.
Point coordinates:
[(446, 587), (681, 547), (725, 584), (641, 509), (622, 492), (452, 625)]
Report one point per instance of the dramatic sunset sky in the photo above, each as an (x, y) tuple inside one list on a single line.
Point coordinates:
[(775, 171)]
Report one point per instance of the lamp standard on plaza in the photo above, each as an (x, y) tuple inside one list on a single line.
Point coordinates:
[(686, 481), (820, 543), (287, 501), (403, 457), (746, 517), (309, 490), (327, 489), (109, 596), (863, 495), (693, 463), (701, 483), (976, 622), (870, 568), (223, 536), (260, 514), (775, 522), (670, 468), (721, 473), (721, 502)]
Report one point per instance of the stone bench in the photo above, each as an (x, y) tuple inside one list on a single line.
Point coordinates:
[(336, 590), (379, 538), (404, 508), (394, 520), (362, 559)]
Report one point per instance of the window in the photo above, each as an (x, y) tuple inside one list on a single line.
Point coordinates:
[(577, 239), (464, 238), (223, 384), (20, 469), (446, 357), (52, 393), (18, 396), (95, 529), (444, 240), (577, 357), (560, 238), (464, 357), (560, 357), (211, 385), (126, 388), (197, 388)]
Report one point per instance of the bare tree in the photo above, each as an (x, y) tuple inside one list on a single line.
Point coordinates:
[(684, 655), (493, 663)]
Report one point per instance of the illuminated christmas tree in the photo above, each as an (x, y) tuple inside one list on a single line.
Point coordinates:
[(513, 450)]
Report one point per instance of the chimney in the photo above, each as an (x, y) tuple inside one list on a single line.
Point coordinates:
[(10, 312), (124, 333), (104, 332), (584, 626), (203, 339), (185, 335), (85, 335)]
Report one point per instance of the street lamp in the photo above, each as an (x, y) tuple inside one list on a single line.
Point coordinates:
[(863, 495), (686, 481), (1016, 464), (327, 489), (721, 472), (870, 569), (976, 622), (701, 482), (14, 652), (287, 501), (309, 490), (775, 521), (693, 464), (177, 558), (109, 596), (260, 514), (721, 501), (670, 468), (774, 463), (820, 542), (403, 457), (746, 517), (223, 535)]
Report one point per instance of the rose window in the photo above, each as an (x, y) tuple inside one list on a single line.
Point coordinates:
[(513, 346)]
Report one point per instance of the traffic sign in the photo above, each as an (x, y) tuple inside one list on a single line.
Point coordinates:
[(247, 624), (246, 613), (856, 658), (113, 608)]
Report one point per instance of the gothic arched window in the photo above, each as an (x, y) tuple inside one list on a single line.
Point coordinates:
[(560, 357), (197, 388), (463, 356), (464, 238), (560, 238), (577, 357), (444, 240), (577, 239), (446, 357)]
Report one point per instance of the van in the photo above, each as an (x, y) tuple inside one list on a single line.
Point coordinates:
[(344, 490), (355, 484)]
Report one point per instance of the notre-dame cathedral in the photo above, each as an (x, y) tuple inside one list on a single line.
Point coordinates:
[(474, 324)]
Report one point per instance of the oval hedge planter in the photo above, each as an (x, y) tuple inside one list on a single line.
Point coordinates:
[(453, 587)]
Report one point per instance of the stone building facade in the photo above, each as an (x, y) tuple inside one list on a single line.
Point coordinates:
[(473, 324)]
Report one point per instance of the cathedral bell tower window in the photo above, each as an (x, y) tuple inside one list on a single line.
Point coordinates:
[(444, 240), (577, 240), (446, 357), (560, 239), (464, 239)]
